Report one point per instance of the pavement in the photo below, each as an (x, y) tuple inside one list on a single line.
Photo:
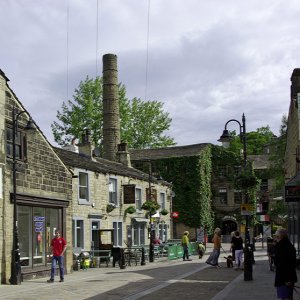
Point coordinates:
[(162, 279)]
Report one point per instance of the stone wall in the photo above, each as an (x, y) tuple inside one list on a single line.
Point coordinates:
[(42, 174)]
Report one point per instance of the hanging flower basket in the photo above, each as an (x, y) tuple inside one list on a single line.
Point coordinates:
[(150, 206), (164, 212), (130, 210), (110, 208)]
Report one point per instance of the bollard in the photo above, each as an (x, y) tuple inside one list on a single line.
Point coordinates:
[(122, 260), (248, 263), (143, 257)]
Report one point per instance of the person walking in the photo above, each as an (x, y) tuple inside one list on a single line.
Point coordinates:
[(213, 259), (285, 263), (58, 248), (237, 244), (185, 245)]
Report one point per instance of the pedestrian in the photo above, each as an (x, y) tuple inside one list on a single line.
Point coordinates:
[(185, 245), (285, 263), (232, 247), (156, 241), (58, 248), (237, 244), (213, 259)]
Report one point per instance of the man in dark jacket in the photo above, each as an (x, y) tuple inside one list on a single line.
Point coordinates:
[(285, 262)]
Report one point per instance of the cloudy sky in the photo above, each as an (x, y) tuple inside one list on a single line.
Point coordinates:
[(208, 61)]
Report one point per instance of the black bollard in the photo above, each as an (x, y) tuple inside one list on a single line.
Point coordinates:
[(122, 260), (248, 263), (143, 257)]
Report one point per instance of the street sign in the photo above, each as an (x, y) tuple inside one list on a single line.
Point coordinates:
[(247, 209)]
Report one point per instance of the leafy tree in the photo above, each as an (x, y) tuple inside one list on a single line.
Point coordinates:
[(256, 140), (143, 123)]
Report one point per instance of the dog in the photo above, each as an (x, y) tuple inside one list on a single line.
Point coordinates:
[(229, 261)]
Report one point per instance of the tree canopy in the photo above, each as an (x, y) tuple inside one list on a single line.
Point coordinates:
[(256, 141), (143, 123)]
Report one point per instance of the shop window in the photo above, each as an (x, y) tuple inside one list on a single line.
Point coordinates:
[(162, 203), (113, 191), (223, 195), (117, 226), (139, 234), (78, 234), (37, 226), (138, 198), (20, 144), (83, 187)]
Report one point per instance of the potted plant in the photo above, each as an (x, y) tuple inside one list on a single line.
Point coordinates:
[(164, 212), (110, 207), (129, 210), (150, 206)]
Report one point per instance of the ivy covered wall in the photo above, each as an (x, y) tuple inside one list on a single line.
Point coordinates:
[(191, 178)]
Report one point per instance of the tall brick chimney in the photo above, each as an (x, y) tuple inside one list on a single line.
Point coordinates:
[(111, 114)]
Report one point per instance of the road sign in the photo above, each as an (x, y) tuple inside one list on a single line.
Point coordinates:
[(247, 209)]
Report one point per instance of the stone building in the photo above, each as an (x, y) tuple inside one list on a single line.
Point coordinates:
[(103, 190), (188, 168), (43, 191), (292, 161)]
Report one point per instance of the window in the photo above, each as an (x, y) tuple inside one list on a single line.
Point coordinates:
[(162, 199), (223, 195), (238, 197), (78, 234), (139, 234), (163, 232), (117, 226), (113, 191), (20, 144), (264, 185), (37, 226), (83, 186), (138, 198)]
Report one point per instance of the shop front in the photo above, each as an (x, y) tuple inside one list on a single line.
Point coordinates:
[(38, 218)]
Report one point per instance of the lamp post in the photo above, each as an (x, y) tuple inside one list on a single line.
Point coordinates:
[(15, 257), (225, 139), (151, 246)]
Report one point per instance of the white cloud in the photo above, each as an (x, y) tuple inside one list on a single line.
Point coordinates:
[(209, 61)]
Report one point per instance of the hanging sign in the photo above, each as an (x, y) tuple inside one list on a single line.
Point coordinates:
[(175, 214)]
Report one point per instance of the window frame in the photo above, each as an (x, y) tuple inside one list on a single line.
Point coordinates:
[(138, 201), (162, 202), (223, 196), (75, 235), (118, 233), (115, 192), (87, 200), (21, 144)]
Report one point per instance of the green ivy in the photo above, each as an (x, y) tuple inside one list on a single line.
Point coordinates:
[(191, 177)]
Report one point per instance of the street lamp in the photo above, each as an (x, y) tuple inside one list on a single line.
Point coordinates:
[(15, 258), (225, 140), (151, 246)]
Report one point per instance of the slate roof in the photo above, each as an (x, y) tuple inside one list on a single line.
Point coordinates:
[(167, 152), (76, 160)]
